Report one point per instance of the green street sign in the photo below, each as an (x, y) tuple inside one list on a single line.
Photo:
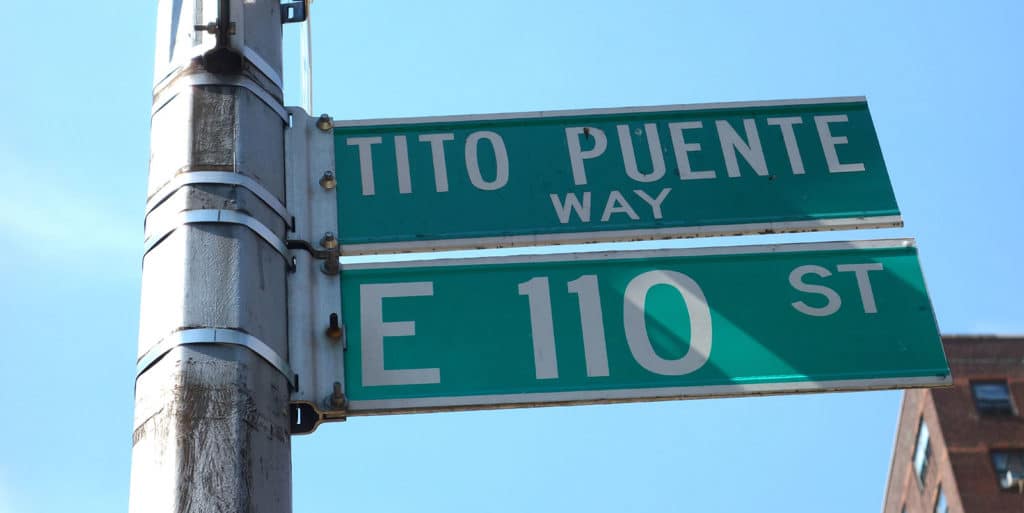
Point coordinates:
[(615, 174), (637, 325)]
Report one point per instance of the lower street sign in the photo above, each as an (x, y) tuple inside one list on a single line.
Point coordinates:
[(637, 325)]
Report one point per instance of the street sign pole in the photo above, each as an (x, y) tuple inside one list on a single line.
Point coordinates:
[(211, 428)]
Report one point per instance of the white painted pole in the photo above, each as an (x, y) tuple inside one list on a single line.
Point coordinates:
[(211, 414), (306, 57)]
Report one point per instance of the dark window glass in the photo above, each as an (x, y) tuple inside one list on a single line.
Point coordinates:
[(992, 398), (1009, 467), (922, 452), (940, 502)]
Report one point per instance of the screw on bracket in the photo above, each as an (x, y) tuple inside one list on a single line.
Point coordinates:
[(214, 28), (209, 27), (333, 330), (325, 123), (338, 400), (327, 181), (331, 265)]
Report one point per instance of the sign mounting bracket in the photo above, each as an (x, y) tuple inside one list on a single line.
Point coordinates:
[(315, 338)]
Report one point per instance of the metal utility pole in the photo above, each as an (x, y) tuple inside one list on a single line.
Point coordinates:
[(211, 430)]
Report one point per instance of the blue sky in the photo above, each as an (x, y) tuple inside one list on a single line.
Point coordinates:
[(943, 82)]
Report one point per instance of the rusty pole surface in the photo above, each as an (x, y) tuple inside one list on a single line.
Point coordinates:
[(211, 428)]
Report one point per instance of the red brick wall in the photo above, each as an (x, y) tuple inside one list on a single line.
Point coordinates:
[(961, 439), (970, 436), (903, 488)]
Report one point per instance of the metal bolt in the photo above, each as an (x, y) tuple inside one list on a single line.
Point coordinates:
[(325, 123), (338, 400), (209, 27), (327, 181), (329, 241), (333, 330)]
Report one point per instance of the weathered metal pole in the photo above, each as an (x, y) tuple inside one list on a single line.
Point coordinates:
[(211, 407)]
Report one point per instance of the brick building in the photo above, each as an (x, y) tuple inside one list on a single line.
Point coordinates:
[(961, 449)]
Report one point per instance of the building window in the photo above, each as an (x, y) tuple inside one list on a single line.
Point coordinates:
[(922, 452), (1009, 467), (940, 502), (992, 398)]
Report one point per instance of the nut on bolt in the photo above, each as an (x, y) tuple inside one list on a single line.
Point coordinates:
[(329, 241), (333, 330), (324, 123), (338, 400), (327, 181)]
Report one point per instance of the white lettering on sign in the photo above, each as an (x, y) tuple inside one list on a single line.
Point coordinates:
[(542, 327), (595, 347), (829, 143), (629, 154), (682, 150), (402, 165), (404, 171), (655, 203), (591, 144), (732, 148), (635, 318), (365, 145), (796, 162), (576, 153), (473, 162), (867, 295), (616, 204), (749, 148), (796, 281), (440, 163), (374, 330), (832, 299), (564, 209)]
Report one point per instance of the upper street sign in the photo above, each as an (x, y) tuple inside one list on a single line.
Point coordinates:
[(616, 174), (637, 325)]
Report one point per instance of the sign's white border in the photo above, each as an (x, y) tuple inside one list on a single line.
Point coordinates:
[(604, 256), (622, 235), (480, 402), (372, 123)]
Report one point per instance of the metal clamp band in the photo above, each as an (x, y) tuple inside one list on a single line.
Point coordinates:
[(200, 79), (220, 178), (254, 58), (219, 216), (224, 336), (261, 64)]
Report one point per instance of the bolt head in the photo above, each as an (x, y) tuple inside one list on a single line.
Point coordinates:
[(324, 123), (329, 241), (327, 181), (337, 399)]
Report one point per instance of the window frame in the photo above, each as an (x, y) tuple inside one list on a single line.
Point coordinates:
[(989, 411), (922, 472), (940, 498), (1010, 453)]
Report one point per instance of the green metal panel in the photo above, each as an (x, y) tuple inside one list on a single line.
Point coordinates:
[(473, 335), (500, 180)]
